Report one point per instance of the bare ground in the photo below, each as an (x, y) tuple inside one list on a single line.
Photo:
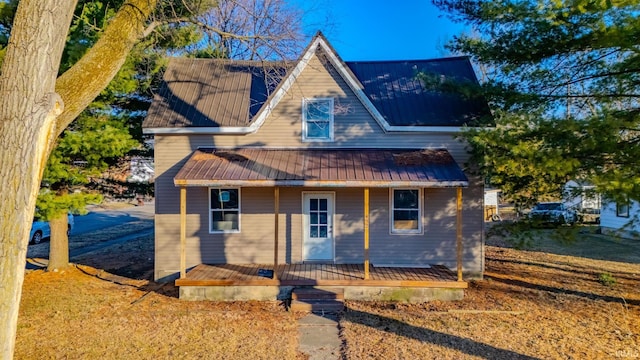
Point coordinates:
[(532, 304)]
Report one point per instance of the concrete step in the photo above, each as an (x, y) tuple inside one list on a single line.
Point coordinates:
[(317, 306), (317, 294)]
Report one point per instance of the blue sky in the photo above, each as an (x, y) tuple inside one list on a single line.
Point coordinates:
[(381, 29)]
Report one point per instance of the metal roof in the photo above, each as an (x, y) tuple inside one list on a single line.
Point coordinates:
[(321, 168), (227, 93), (403, 100), (213, 92)]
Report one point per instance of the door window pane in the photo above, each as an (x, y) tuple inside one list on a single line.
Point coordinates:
[(323, 231), (323, 204)]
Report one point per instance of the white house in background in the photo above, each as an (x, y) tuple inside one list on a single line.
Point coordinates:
[(623, 218), (581, 196), (492, 205), (142, 169)]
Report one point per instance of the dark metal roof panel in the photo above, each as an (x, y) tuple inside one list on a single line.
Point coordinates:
[(335, 167), (228, 93), (212, 92), (403, 100)]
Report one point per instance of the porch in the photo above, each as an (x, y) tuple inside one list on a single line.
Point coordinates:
[(324, 172), (243, 282), (320, 275)]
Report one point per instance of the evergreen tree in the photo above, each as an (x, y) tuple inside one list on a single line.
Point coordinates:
[(83, 152), (563, 78)]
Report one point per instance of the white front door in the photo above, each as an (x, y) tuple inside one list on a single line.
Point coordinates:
[(318, 227)]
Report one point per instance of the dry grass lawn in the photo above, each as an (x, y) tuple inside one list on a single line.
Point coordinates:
[(76, 315), (531, 304)]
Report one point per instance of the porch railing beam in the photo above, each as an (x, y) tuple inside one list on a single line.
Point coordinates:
[(459, 231), (183, 232), (276, 212), (366, 233)]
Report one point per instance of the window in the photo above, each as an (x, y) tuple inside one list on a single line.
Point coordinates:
[(406, 211), (224, 206), (622, 209), (317, 119)]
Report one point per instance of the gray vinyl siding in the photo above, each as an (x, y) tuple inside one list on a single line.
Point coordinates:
[(255, 242), (354, 128)]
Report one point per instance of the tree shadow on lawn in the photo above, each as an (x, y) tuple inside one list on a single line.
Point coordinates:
[(555, 290), (569, 268), (464, 345)]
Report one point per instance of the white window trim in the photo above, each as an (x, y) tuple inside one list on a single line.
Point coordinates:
[(211, 211), (304, 121), (420, 229)]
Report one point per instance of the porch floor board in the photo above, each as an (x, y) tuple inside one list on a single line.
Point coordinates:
[(320, 275)]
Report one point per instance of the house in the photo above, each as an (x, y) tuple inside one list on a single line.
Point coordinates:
[(582, 197), (492, 205), (317, 172), (621, 218)]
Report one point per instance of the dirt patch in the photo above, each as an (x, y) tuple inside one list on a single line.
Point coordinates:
[(132, 259)]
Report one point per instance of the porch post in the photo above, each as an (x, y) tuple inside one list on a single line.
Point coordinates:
[(459, 231), (183, 232), (366, 233), (276, 212)]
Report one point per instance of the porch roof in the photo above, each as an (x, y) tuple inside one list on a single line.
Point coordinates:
[(321, 168)]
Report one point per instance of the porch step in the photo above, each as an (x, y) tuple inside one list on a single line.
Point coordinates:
[(317, 293), (325, 300), (317, 306)]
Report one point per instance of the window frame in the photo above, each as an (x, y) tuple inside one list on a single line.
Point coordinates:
[(392, 229), (305, 121), (211, 211), (622, 214)]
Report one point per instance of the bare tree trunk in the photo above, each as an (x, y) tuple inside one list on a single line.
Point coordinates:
[(29, 107), (59, 245), (31, 117), (84, 81)]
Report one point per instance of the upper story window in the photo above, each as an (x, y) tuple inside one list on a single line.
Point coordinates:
[(317, 119), (406, 211)]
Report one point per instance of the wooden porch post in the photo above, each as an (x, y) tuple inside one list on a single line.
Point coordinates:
[(366, 233), (183, 232), (276, 212), (459, 231)]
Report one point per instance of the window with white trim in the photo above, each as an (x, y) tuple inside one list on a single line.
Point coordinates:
[(406, 211), (224, 210), (317, 119)]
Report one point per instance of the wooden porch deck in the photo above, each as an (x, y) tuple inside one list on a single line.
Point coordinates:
[(320, 275)]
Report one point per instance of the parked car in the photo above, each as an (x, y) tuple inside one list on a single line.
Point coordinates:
[(553, 213), (41, 230)]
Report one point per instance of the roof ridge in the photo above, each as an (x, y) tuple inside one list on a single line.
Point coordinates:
[(447, 58), (231, 61)]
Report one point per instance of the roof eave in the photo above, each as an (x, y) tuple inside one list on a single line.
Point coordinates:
[(249, 130), (320, 183)]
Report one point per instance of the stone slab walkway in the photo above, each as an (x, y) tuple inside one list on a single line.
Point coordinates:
[(319, 337)]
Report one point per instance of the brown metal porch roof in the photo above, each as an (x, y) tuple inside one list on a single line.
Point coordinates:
[(321, 168)]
